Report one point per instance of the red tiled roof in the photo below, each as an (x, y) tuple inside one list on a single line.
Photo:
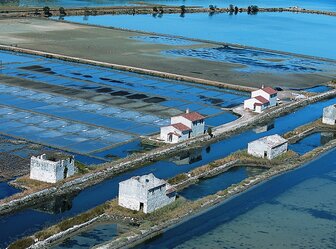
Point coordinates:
[(261, 99), (181, 127), (269, 90), (193, 116)]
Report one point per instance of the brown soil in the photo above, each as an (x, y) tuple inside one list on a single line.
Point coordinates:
[(115, 46)]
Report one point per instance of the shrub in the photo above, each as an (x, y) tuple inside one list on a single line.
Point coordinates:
[(22, 243)]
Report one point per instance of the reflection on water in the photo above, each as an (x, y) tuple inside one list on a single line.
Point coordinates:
[(188, 157), (57, 204), (312, 141), (289, 211), (213, 185), (264, 128), (94, 236)]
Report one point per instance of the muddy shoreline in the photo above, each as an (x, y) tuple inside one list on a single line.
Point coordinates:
[(117, 47)]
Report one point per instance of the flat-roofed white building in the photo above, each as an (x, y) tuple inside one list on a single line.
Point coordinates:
[(182, 127), (268, 147), (145, 193), (51, 168), (329, 115)]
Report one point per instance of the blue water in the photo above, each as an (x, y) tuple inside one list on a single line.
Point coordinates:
[(6, 190), (129, 104), (279, 31), (318, 89), (27, 221), (309, 4), (255, 61), (288, 211), (97, 235), (212, 185), (312, 141), (164, 40)]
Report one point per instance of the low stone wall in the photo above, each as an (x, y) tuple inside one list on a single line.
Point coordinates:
[(45, 243), (112, 168), (214, 171), (216, 199)]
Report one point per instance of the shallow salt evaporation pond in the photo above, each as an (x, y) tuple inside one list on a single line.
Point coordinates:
[(98, 194), (262, 30), (89, 110), (288, 211), (214, 184), (312, 141)]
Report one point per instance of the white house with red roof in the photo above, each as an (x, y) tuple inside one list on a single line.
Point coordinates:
[(261, 99), (182, 127)]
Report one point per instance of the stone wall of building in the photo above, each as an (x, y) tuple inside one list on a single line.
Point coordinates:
[(277, 151), (45, 170), (329, 115), (198, 128), (157, 198), (130, 195), (258, 148), (135, 195)]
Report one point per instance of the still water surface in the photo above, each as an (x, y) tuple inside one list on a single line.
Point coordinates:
[(30, 220), (288, 211), (291, 32)]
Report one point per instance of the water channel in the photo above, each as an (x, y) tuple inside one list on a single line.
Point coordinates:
[(287, 211), (28, 221)]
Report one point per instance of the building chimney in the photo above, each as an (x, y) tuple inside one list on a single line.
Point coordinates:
[(187, 110), (262, 86)]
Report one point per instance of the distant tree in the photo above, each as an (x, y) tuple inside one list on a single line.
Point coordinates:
[(249, 10), (46, 11), (37, 13), (183, 9), (231, 8), (62, 11), (212, 8), (236, 10), (161, 10), (210, 132), (252, 9)]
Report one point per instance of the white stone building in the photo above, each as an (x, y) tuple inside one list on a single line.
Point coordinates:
[(51, 168), (145, 193), (182, 127), (269, 147), (261, 99), (329, 115)]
